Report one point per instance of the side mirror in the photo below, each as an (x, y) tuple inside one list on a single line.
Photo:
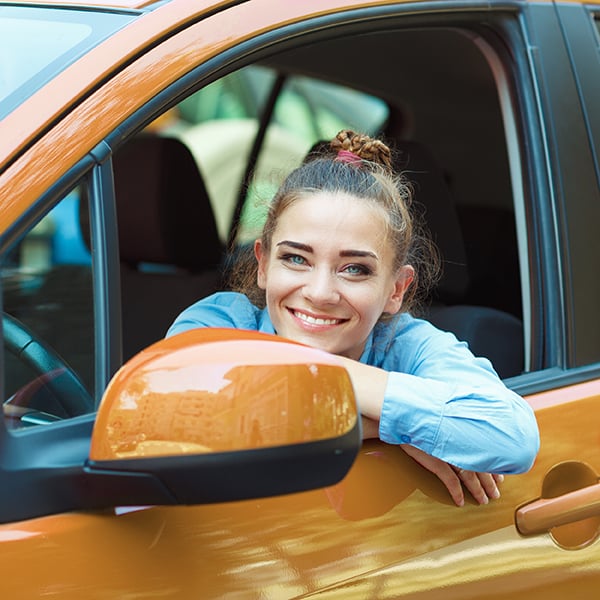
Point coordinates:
[(215, 415)]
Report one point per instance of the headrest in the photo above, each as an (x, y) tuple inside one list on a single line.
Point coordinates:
[(431, 192), (492, 333), (163, 208)]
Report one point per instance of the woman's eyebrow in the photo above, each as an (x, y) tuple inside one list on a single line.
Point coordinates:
[(343, 253), (297, 245), (359, 253)]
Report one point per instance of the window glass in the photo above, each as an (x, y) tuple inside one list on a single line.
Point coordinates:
[(37, 43), (219, 124), (307, 111), (48, 320)]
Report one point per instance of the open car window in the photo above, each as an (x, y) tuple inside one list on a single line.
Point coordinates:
[(454, 135)]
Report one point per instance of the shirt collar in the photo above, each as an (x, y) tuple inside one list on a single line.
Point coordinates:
[(366, 353)]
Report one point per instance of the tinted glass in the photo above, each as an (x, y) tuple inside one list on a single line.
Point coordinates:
[(219, 124), (48, 320)]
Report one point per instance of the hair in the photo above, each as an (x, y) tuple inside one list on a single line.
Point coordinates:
[(360, 166)]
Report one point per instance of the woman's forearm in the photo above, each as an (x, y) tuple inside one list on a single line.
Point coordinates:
[(488, 429), (369, 385)]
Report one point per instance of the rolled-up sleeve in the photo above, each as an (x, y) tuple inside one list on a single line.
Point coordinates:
[(487, 430), (453, 406)]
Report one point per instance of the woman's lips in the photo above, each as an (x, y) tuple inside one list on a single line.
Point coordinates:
[(314, 320)]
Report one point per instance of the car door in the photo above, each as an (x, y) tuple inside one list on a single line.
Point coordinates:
[(388, 529)]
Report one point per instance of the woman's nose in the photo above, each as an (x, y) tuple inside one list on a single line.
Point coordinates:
[(321, 288)]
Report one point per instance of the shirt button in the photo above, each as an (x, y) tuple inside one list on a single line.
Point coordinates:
[(405, 439)]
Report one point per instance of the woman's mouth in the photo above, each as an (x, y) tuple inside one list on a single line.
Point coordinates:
[(315, 321)]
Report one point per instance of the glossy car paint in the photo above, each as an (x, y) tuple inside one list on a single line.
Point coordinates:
[(235, 377), (393, 530), (401, 534)]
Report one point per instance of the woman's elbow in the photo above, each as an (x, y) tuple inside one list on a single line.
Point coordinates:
[(526, 440)]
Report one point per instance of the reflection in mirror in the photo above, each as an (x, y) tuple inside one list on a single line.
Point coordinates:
[(213, 390)]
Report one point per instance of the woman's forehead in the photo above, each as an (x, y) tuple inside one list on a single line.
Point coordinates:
[(335, 218), (329, 204)]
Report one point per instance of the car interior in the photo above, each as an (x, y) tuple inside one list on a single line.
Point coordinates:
[(446, 124)]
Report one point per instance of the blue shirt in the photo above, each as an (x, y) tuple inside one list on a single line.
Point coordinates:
[(439, 397)]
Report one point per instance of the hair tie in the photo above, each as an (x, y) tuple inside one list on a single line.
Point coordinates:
[(348, 157)]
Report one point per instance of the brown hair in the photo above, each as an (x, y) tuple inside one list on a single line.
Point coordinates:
[(360, 166)]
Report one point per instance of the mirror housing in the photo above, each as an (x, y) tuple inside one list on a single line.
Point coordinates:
[(215, 415)]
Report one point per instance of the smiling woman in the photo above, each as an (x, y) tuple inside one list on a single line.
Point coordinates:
[(324, 290), (337, 267)]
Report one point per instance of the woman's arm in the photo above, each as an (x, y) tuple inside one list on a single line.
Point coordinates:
[(371, 389)]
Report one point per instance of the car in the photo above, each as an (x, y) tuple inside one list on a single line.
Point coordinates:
[(140, 141)]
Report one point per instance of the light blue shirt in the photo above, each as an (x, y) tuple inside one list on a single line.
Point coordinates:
[(439, 397)]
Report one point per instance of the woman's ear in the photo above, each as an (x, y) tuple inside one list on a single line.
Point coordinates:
[(403, 280), (261, 274)]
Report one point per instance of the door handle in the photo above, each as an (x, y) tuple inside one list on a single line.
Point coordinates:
[(542, 515)]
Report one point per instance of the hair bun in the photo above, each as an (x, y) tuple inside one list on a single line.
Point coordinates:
[(362, 146)]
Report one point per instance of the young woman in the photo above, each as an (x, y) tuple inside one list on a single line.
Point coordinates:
[(339, 266)]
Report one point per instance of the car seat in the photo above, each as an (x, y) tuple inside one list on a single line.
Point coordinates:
[(490, 332), (432, 199), (169, 246)]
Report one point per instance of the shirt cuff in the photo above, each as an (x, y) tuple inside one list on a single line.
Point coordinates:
[(413, 410)]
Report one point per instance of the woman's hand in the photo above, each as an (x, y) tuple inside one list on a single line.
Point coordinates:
[(482, 486), (369, 386)]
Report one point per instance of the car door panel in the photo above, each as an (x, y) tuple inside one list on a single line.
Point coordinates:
[(389, 530)]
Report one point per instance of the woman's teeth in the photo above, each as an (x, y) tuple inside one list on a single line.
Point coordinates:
[(315, 320)]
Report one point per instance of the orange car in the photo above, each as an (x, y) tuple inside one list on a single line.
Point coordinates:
[(138, 140)]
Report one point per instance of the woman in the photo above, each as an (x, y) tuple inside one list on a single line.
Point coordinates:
[(339, 266)]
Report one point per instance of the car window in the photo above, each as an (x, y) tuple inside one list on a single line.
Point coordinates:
[(48, 319), (306, 111), (219, 124), (454, 135), (36, 44)]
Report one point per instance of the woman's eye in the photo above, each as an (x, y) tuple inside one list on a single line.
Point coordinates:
[(357, 270), (294, 259)]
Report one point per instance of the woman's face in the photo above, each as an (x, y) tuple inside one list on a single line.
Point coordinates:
[(329, 274)]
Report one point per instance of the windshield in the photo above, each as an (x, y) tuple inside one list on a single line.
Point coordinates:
[(38, 43)]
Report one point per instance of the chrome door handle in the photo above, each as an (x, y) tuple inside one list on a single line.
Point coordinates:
[(544, 514)]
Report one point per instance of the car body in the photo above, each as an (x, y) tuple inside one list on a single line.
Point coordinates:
[(118, 209)]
